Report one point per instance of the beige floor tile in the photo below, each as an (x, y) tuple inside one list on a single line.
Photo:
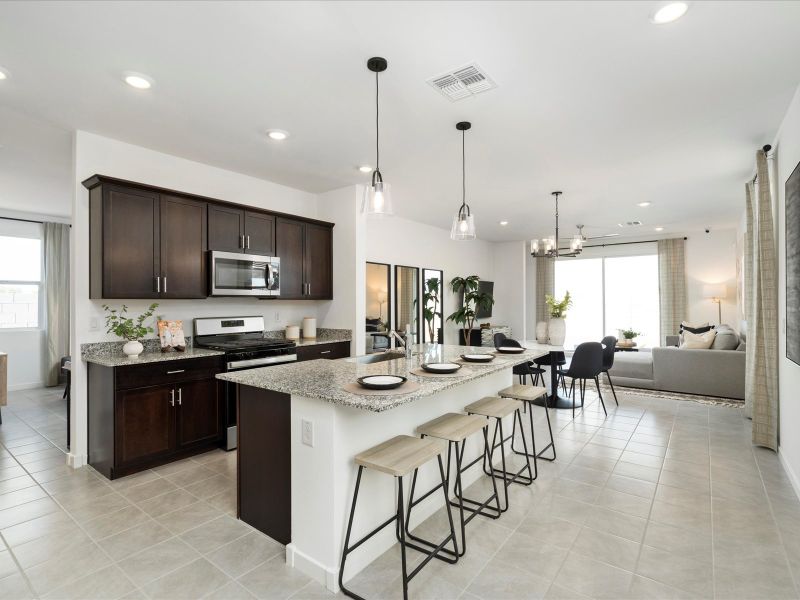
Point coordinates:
[(600, 464), (7, 564), (235, 591), (116, 522), (21, 496), (679, 516), (643, 588), (151, 489), (169, 502), (607, 548), (156, 561), (14, 587), (16, 483), (701, 485), (62, 570), (54, 523), (617, 523), (212, 486), (274, 579), (565, 508), (685, 542), (210, 536), (629, 485), (635, 471), (747, 584), (189, 517), (108, 583), (133, 540), (192, 474), (224, 501), (550, 530), (586, 475), (195, 580), (51, 546), (679, 571), (244, 554), (98, 507), (624, 502), (531, 554), (645, 460), (499, 580), (685, 498), (557, 592), (576, 490), (593, 578), (26, 512)]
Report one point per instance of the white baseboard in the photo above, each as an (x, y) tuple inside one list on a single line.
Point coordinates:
[(25, 386), (307, 565), (76, 461), (793, 478)]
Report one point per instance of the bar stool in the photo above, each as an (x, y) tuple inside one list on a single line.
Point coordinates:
[(398, 457), (528, 394), (496, 408), (455, 428)]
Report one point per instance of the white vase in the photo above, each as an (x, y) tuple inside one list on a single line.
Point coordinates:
[(541, 332), (133, 349), (309, 328), (557, 330)]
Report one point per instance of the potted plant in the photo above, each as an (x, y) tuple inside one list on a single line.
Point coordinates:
[(473, 300), (430, 305), (629, 335), (132, 330), (557, 328)]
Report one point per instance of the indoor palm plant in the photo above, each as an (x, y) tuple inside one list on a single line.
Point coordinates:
[(474, 300), (430, 305), (557, 327), (133, 330)]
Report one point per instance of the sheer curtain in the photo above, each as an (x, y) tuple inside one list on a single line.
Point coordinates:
[(761, 377), (545, 284), (56, 284), (672, 285)]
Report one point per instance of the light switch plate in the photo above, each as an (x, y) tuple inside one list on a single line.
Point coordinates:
[(307, 432)]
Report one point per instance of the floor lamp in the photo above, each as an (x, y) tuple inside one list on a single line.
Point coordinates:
[(381, 302), (716, 292)]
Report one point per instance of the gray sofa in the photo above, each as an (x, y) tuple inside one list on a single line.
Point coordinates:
[(709, 372)]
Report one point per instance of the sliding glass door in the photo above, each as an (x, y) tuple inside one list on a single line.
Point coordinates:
[(610, 293)]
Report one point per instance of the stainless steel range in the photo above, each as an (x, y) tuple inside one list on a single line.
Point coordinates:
[(245, 347)]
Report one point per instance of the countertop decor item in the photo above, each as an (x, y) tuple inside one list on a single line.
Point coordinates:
[(541, 332), (170, 334), (309, 327), (510, 350), (464, 221), (477, 358), (557, 327), (381, 382), (118, 323), (377, 196), (292, 332), (440, 367)]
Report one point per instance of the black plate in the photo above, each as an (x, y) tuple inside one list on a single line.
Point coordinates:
[(510, 350), (466, 358), (377, 385), (429, 367)]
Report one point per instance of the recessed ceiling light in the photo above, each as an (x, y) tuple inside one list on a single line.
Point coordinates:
[(138, 81), (277, 134), (365, 169), (643, 204), (3, 74), (659, 229), (503, 223), (670, 12)]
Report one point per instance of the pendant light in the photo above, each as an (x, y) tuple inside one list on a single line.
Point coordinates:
[(463, 222), (378, 196), (549, 247)]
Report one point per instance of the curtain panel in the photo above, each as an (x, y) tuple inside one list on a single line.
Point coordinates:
[(671, 285), (761, 304), (56, 289), (545, 284)]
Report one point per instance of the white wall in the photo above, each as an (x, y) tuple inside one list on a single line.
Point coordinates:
[(711, 258), (509, 263), (402, 242), (786, 157), (95, 154)]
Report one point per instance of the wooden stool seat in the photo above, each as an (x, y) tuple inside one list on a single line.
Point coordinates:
[(527, 393), (399, 455), (453, 427), (493, 406)]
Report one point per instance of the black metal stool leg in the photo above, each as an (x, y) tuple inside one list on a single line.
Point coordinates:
[(401, 530), (347, 548)]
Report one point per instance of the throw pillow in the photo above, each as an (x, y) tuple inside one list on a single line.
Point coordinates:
[(699, 328), (726, 339), (698, 341)]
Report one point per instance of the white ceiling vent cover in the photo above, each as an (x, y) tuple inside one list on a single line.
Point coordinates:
[(462, 82)]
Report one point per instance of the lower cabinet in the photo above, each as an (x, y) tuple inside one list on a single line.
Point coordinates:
[(136, 428), (329, 351)]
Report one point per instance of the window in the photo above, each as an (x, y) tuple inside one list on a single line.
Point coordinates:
[(20, 275), (610, 293)]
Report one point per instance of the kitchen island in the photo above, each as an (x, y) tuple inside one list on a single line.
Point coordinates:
[(299, 430)]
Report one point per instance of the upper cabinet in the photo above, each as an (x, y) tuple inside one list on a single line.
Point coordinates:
[(236, 230), (149, 242)]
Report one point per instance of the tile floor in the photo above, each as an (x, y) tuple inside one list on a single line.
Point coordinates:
[(661, 499)]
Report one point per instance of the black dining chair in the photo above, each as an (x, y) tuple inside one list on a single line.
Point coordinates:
[(559, 361), (609, 348), (587, 363), (524, 370)]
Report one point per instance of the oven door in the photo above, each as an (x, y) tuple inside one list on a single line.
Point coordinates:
[(234, 274)]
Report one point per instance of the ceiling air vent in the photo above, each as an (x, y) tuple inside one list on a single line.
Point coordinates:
[(462, 82)]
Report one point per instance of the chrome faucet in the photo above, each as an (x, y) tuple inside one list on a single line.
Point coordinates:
[(393, 335)]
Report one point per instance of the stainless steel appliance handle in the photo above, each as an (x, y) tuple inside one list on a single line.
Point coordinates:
[(172, 397), (260, 362)]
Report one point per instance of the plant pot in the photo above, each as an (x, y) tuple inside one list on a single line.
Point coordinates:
[(541, 332), (557, 331), (133, 349)]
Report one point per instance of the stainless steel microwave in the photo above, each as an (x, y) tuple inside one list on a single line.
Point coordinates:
[(234, 274)]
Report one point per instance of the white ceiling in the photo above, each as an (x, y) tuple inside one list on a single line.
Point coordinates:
[(592, 98)]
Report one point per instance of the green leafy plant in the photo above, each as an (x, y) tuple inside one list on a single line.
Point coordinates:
[(120, 324), (473, 300), (558, 308), (630, 334), (430, 303)]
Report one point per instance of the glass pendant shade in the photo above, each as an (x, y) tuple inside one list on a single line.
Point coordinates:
[(463, 226), (378, 199)]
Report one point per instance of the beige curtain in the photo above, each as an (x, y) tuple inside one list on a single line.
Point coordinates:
[(545, 284), (56, 287), (671, 285), (406, 299), (761, 377), (749, 265)]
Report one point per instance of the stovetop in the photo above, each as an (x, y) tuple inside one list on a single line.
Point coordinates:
[(247, 344)]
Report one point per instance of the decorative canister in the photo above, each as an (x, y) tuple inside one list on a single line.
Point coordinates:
[(292, 332), (541, 332), (309, 328)]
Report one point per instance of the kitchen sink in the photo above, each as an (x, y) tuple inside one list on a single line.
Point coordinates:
[(377, 357)]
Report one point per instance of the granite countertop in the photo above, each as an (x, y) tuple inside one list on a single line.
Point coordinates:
[(120, 360), (324, 379)]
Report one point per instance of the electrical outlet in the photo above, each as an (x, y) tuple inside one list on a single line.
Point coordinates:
[(277, 316), (93, 324), (307, 432)]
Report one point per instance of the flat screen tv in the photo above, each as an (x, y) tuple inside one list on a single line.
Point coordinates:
[(483, 286)]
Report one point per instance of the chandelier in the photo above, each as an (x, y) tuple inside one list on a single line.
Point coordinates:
[(549, 247)]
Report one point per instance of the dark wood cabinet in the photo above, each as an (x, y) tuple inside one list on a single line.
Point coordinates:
[(306, 253), (237, 230), (330, 351), (183, 245), (141, 416), (259, 231)]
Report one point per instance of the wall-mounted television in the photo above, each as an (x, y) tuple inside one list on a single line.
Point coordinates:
[(485, 287)]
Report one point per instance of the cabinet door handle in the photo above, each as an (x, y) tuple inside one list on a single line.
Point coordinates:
[(309, 288), (325, 352), (172, 397), (174, 372), (248, 242), (242, 242), (165, 284), (180, 396), (158, 285)]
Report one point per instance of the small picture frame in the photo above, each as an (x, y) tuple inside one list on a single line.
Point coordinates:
[(170, 333)]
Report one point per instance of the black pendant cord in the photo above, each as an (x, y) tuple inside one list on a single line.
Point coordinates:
[(377, 128), (463, 174)]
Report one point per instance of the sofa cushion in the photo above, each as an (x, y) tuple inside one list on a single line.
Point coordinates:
[(726, 339), (636, 365), (698, 341)]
